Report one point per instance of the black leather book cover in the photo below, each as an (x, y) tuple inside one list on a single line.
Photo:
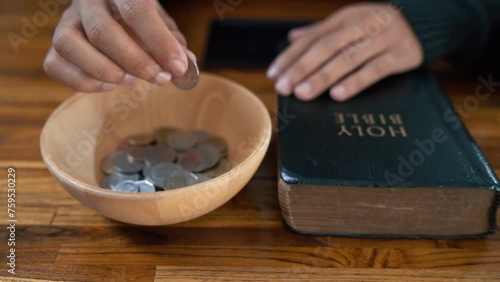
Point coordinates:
[(401, 133)]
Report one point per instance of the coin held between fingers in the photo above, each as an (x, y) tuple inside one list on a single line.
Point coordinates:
[(178, 67), (190, 78), (163, 78)]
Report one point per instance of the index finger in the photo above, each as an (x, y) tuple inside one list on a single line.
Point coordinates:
[(310, 34), (143, 18)]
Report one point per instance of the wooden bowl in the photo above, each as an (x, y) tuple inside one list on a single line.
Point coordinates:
[(87, 127)]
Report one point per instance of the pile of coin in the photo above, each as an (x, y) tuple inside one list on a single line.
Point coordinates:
[(165, 160)]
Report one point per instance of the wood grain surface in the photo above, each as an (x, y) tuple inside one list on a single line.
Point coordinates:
[(57, 238)]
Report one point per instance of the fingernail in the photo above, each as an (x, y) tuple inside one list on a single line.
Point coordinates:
[(163, 78), (338, 92), (191, 55), (295, 32), (177, 67), (129, 79), (283, 86), (272, 71), (304, 89), (108, 86)]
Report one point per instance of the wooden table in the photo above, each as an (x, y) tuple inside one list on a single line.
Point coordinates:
[(58, 238)]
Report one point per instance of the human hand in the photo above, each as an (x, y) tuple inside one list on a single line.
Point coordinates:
[(99, 44), (347, 52)]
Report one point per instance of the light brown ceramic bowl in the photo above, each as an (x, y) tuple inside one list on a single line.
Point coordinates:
[(87, 127)]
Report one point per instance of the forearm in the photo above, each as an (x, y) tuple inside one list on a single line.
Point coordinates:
[(460, 31)]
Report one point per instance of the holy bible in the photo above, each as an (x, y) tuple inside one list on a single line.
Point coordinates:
[(395, 161)]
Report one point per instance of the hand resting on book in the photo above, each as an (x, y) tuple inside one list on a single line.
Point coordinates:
[(347, 52)]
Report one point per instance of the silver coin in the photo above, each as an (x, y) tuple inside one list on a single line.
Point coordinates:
[(162, 134), (123, 146), (202, 177), (195, 160), (161, 153), (201, 134), (123, 164), (190, 78), (223, 166), (223, 154), (106, 182), (136, 153), (182, 141), (217, 142), (126, 186), (212, 154), (159, 172), (146, 170), (116, 177), (179, 179), (108, 164), (145, 186), (140, 139)]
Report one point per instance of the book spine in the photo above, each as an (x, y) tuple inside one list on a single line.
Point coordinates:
[(474, 153)]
